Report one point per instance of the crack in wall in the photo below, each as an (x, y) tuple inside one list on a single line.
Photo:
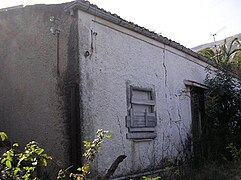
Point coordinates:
[(155, 151), (122, 140), (182, 148), (170, 118), (141, 159), (164, 65), (169, 145)]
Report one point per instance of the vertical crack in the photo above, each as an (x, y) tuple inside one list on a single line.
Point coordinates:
[(170, 118), (164, 65), (122, 140)]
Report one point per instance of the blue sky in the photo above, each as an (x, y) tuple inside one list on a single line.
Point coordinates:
[(188, 22)]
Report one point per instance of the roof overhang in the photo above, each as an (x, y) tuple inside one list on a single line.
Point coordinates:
[(195, 84), (86, 6)]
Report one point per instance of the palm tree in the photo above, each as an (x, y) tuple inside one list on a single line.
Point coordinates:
[(207, 53), (227, 53)]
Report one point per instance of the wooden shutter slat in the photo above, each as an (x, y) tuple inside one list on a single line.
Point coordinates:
[(141, 135), (151, 121), (142, 101), (144, 121), (142, 116), (138, 121)]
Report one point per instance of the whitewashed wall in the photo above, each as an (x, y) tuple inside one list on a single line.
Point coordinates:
[(119, 57)]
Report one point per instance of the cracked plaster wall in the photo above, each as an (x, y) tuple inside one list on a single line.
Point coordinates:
[(32, 106), (118, 57)]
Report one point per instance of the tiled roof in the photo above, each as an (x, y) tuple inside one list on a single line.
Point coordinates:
[(95, 10)]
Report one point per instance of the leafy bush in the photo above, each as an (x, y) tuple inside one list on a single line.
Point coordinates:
[(25, 165), (223, 114), (15, 164)]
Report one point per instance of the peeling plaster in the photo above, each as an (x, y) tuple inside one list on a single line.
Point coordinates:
[(127, 58)]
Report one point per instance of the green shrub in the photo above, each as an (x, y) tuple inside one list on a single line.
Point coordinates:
[(27, 164), (223, 114)]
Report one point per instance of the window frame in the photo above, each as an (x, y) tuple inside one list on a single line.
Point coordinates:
[(146, 131)]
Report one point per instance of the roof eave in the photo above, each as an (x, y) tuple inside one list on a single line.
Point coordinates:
[(94, 10)]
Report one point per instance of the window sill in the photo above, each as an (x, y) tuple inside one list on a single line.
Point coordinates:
[(141, 136)]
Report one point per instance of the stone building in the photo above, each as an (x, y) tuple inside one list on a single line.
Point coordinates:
[(95, 70)]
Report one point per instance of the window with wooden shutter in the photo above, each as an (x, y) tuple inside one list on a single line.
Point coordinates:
[(141, 119)]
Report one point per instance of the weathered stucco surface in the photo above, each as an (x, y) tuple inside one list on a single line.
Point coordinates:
[(98, 62), (33, 98), (117, 58)]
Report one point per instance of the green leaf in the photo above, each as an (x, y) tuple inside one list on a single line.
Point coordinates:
[(8, 164), (79, 169), (40, 151), (3, 160), (44, 162), (109, 136), (15, 172), (3, 136), (9, 156), (15, 145), (46, 156), (87, 144)]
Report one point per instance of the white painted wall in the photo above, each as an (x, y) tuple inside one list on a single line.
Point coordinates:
[(119, 57)]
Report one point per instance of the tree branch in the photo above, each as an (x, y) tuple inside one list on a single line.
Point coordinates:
[(114, 166)]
